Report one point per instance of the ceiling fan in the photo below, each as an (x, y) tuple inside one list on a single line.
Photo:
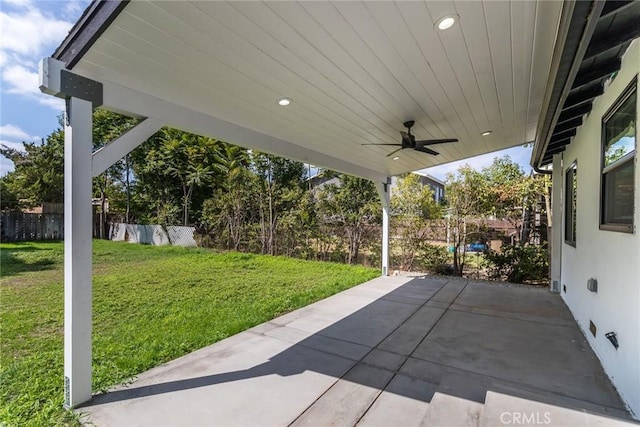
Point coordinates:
[(409, 141)]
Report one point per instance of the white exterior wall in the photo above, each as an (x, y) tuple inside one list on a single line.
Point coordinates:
[(612, 258)]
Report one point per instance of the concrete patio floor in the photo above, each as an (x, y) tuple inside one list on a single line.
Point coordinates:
[(395, 351)]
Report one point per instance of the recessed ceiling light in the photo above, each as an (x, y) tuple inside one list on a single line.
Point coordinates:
[(486, 133), (446, 22), (284, 102), (396, 158)]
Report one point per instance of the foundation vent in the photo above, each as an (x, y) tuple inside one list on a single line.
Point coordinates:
[(592, 285)]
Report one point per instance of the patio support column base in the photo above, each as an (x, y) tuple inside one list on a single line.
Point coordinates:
[(77, 251), (557, 216), (383, 192)]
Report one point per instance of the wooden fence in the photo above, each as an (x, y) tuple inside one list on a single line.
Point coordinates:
[(20, 227), (25, 227)]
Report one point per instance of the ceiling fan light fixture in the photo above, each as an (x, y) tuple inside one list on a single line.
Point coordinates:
[(396, 158), (446, 22), (486, 133), (283, 102)]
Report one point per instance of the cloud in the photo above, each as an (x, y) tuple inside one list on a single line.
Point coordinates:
[(18, 3), (6, 166), (12, 132), (20, 80), (18, 146), (74, 7), (28, 33)]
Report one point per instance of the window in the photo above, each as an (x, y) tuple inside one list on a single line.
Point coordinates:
[(618, 163), (570, 211)]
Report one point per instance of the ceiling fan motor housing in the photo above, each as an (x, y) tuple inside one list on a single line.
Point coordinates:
[(408, 140)]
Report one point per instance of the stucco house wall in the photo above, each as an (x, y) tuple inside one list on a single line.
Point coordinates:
[(613, 258)]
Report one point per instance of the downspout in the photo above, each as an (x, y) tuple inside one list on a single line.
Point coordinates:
[(536, 167)]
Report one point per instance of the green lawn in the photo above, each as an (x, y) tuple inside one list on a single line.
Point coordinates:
[(151, 305)]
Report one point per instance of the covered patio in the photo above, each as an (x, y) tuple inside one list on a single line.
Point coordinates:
[(393, 351), (353, 73)]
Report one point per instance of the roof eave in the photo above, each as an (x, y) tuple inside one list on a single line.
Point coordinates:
[(578, 22), (94, 21)]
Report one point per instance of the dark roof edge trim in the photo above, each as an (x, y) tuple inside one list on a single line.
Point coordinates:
[(94, 21), (573, 39)]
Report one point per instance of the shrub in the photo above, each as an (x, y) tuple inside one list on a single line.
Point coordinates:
[(519, 263), (434, 258)]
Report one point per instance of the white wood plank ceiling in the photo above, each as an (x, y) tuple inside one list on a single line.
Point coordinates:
[(355, 71)]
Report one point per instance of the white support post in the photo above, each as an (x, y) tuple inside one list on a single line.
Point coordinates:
[(557, 218), (383, 192), (77, 252)]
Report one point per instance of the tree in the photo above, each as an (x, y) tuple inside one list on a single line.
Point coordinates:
[(297, 223), (353, 205), (39, 170), (8, 198), (174, 168), (277, 175), (228, 213), (108, 126), (501, 190), (412, 206), (511, 194), (467, 194)]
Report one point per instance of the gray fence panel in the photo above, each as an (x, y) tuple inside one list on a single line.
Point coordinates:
[(22, 227), (182, 236), (156, 235)]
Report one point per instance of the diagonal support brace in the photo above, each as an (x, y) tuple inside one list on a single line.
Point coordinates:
[(123, 145)]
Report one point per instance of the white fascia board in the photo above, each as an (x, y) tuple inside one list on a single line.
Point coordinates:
[(136, 103)]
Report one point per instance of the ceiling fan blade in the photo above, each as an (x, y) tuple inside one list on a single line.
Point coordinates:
[(427, 150), (426, 142), (394, 152), (396, 145)]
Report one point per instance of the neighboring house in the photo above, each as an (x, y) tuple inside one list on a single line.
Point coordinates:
[(596, 247), (436, 186), (320, 180)]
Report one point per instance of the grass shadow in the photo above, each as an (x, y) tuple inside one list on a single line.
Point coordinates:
[(25, 258)]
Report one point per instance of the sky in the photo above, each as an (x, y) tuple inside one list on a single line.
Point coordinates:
[(31, 30), (520, 155)]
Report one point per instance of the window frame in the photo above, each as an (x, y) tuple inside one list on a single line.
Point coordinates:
[(570, 204), (623, 161)]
